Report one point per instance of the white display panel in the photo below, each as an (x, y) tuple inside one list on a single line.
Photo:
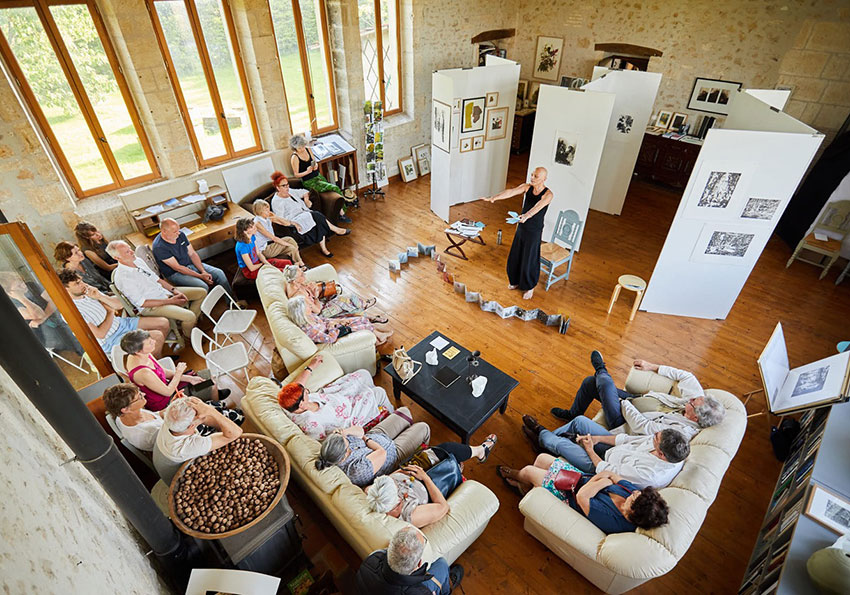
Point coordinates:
[(462, 177), (579, 121), (635, 93), (711, 250)]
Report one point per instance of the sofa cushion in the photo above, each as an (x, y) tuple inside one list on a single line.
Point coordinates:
[(640, 382), (271, 286), (702, 472)]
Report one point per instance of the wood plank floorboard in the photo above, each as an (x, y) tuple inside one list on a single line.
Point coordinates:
[(549, 366)]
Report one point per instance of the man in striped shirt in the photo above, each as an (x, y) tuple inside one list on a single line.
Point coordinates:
[(100, 310)]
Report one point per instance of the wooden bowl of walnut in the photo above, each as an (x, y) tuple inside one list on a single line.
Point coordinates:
[(230, 489)]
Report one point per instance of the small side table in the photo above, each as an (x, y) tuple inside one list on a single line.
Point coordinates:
[(457, 245), (631, 283)]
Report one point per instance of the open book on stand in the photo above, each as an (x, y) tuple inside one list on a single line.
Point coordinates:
[(820, 383)]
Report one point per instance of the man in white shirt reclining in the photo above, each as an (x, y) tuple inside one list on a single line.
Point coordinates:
[(689, 413)]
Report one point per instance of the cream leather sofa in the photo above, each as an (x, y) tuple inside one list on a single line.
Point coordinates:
[(619, 562), (344, 504), (355, 351)]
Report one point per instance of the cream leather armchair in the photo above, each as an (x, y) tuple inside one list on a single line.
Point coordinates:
[(620, 562), (355, 351), (344, 504)]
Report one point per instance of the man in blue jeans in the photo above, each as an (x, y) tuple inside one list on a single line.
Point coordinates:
[(178, 262), (399, 569)]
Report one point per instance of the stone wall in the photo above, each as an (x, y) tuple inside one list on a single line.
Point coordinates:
[(61, 532), (761, 44)]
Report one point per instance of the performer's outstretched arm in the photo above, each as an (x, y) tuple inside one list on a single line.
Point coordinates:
[(507, 193)]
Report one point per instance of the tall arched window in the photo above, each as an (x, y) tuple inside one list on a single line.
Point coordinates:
[(65, 67), (380, 42), (198, 43), (301, 35)]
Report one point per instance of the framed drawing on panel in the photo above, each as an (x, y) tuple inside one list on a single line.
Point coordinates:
[(465, 145), (497, 123), (407, 169), (472, 115), (712, 95), (728, 244), (564, 152), (718, 189), (477, 142), (760, 209), (493, 99), (547, 58), (441, 125)]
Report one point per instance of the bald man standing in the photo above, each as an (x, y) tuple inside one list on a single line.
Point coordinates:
[(178, 262), (524, 258)]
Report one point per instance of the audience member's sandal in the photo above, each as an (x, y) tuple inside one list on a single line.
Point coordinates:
[(344, 233), (510, 482), (492, 439), (379, 319), (369, 303)]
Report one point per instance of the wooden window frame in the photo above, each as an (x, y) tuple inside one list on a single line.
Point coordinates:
[(78, 89), (305, 68), (379, 42), (46, 275), (209, 77)]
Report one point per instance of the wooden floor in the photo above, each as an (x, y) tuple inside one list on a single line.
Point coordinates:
[(550, 366)]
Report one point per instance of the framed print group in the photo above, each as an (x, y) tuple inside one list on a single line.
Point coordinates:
[(712, 95)]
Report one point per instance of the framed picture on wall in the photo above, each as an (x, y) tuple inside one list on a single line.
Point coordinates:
[(472, 115), (465, 145), (492, 99), (712, 95), (441, 117), (477, 142), (497, 123), (728, 244), (407, 169), (547, 58)]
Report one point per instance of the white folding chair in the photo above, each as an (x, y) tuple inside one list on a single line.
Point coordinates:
[(140, 454), (118, 357), (221, 360), (234, 321)]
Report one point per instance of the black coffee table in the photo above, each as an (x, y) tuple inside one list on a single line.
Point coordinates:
[(454, 406)]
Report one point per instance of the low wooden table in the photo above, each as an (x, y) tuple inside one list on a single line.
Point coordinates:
[(213, 232), (454, 406), (457, 245)]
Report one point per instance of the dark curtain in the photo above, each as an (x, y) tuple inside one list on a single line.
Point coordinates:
[(823, 179)]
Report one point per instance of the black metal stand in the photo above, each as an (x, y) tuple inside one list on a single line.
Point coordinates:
[(374, 192)]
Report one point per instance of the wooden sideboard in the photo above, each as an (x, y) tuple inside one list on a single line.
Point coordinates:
[(666, 160), (523, 130)]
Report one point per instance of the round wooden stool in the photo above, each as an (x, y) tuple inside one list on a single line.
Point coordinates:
[(632, 283)]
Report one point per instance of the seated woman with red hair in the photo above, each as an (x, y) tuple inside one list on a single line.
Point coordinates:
[(352, 400), (295, 208)]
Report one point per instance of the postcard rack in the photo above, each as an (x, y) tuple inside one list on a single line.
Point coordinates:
[(788, 535)]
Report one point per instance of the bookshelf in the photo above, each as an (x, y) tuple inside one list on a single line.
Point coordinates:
[(188, 209), (788, 537)]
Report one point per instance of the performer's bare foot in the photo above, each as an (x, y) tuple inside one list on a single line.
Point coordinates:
[(512, 286), (528, 294)]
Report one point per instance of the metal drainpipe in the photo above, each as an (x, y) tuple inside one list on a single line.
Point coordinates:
[(41, 380)]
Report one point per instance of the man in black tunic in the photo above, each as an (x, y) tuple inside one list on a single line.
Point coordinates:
[(524, 258)]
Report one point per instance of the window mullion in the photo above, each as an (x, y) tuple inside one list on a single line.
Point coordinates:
[(379, 51), (78, 90), (209, 75), (305, 65)]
